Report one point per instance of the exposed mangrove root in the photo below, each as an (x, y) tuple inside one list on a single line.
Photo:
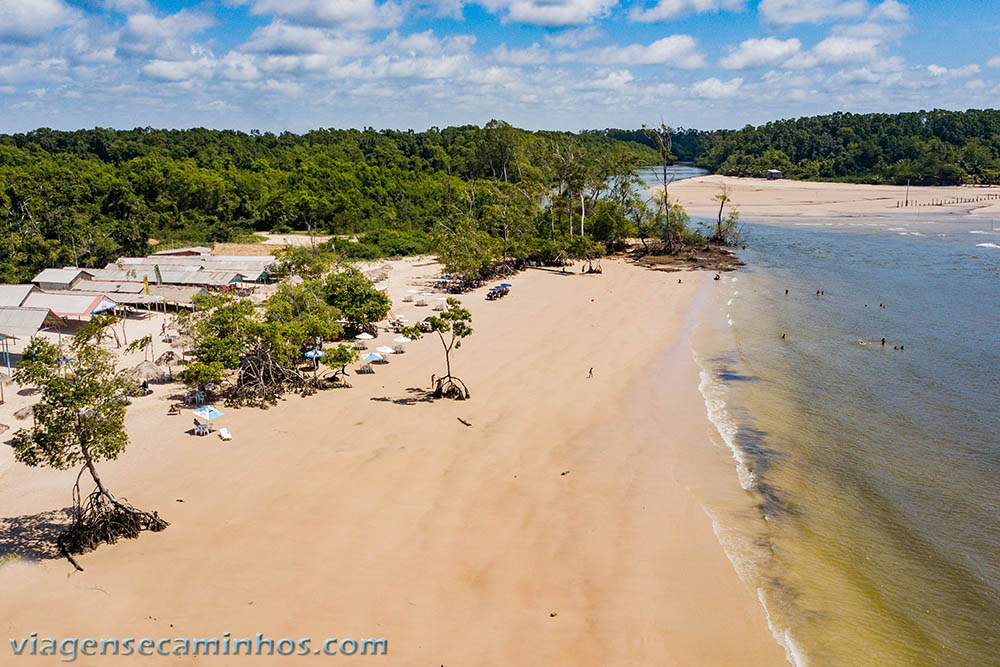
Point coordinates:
[(451, 387), (262, 380), (103, 519)]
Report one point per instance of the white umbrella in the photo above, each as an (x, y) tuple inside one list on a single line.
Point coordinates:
[(385, 349), (364, 336), (412, 291), (442, 298), (400, 339)]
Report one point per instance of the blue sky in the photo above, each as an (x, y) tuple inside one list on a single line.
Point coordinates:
[(563, 64)]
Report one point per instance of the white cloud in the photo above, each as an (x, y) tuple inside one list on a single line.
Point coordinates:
[(351, 14), (21, 20), (572, 38), (176, 70), (955, 72), (164, 37), (792, 12), (761, 53), (617, 80), (838, 50), (533, 55), (665, 10), (714, 89), (550, 12), (678, 51), (281, 38), (993, 62), (890, 10)]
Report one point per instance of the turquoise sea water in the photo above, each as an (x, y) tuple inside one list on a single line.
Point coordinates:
[(872, 474)]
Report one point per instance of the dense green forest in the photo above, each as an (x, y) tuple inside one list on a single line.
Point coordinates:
[(923, 148), (87, 197)]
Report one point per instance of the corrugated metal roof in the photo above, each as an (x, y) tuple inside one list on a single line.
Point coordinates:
[(170, 276), (175, 293), (57, 275), (12, 296), (108, 286), (69, 304), (25, 322), (198, 249)]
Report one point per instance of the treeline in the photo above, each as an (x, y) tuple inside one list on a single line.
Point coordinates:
[(687, 145), (924, 148), (89, 196)]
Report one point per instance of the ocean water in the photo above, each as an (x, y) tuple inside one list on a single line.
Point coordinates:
[(870, 522)]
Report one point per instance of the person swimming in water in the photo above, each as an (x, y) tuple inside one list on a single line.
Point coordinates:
[(883, 342)]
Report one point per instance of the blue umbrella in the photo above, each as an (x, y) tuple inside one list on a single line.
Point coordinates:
[(372, 356), (208, 412), (315, 354), (505, 285)]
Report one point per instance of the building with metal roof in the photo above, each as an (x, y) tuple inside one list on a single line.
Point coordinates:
[(12, 296), (26, 322), (60, 278), (190, 251), (69, 304), (106, 286)]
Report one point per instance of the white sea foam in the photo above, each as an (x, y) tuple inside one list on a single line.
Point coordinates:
[(987, 245), (729, 303), (978, 231), (713, 391), (793, 653)]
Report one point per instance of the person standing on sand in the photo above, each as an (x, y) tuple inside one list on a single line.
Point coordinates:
[(591, 373)]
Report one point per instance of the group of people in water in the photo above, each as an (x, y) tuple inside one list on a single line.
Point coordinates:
[(823, 293)]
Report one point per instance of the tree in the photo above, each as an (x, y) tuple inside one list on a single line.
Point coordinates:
[(338, 358), (452, 326), (81, 420), (726, 230), (356, 298)]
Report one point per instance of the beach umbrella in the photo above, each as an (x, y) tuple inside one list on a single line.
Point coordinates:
[(505, 285), (412, 291), (364, 336), (147, 370), (442, 298), (208, 412), (315, 354), (24, 412), (372, 356), (427, 294), (384, 349), (401, 339)]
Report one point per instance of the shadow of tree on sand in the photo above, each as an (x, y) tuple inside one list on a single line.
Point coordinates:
[(416, 395), (33, 536)]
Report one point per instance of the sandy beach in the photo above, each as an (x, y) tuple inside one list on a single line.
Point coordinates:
[(559, 528), (756, 197)]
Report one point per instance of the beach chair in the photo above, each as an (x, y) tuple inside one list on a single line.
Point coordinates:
[(360, 345), (407, 299), (438, 308), (420, 303), (366, 369), (225, 434), (398, 349), (201, 428)]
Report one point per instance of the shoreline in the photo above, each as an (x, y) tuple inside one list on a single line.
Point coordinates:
[(761, 198), (390, 518)]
